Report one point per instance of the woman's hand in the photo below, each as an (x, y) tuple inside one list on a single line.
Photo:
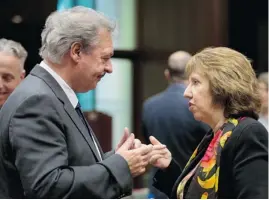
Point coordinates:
[(160, 156)]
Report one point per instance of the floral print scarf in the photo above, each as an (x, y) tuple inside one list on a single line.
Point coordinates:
[(202, 180)]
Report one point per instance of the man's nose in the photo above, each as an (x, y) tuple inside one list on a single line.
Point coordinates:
[(109, 68)]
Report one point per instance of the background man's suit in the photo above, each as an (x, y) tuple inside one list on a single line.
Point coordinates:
[(166, 116), (47, 151)]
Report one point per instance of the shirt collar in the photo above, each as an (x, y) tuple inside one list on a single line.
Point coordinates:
[(66, 88)]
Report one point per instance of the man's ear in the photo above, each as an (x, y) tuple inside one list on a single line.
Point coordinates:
[(75, 51), (22, 76), (167, 75)]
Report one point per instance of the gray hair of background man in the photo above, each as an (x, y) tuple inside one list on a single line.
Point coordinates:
[(77, 24), (13, 48), (177, 62)]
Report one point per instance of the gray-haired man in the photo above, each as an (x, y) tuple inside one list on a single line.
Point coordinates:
[(48, 149), (12, 58)]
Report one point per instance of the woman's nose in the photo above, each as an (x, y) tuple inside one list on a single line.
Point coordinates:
[(187, 92)]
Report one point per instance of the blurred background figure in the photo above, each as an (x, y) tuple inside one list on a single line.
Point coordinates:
[(12, 58), (167, 117), (263, 88)]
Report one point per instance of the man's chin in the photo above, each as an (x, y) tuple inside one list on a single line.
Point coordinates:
[(1, 104), (99, 79), (84, 90), (2, 101)]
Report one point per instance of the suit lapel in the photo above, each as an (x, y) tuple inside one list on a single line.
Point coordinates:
[(81, 127), (58, 91), (96, 140)]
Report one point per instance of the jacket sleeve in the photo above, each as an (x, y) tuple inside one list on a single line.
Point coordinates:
[(164, 180), (251, 163), (108, 154), (38, 142)]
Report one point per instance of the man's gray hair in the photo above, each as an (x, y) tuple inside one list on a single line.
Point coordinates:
[(63, 28), (13, 48)]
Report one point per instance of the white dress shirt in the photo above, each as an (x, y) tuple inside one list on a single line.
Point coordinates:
[(68, 91)]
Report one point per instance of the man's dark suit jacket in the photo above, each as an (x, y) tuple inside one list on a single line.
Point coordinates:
[(46, 150), (166, 116)]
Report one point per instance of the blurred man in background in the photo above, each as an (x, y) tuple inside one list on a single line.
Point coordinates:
[(263, 88), (12, 59), (166, 116)]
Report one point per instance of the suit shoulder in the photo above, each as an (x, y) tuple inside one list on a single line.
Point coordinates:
[(249, 130), (28, 93), (155, 98), (171, 100), (248, 125), (32, 86)]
